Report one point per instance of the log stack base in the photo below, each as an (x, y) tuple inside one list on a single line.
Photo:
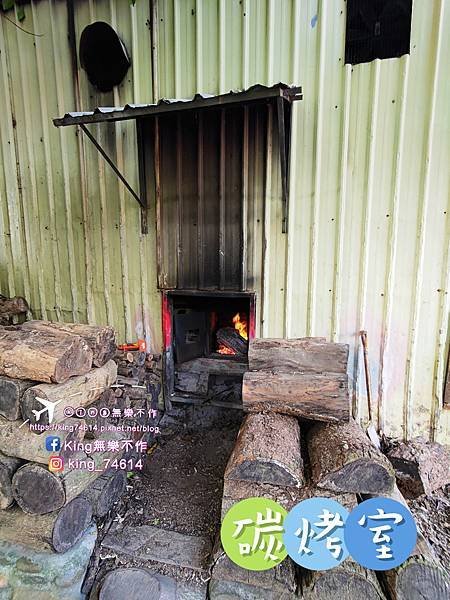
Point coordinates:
[(307, 379), (343, 459)]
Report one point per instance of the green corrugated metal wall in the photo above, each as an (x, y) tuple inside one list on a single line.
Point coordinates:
[(368, 242), (70, 231)]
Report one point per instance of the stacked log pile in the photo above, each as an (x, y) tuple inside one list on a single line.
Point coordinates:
[(62, 365), (325, 454), (421, 575)]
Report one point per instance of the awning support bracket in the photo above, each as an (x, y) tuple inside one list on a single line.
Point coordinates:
[(141, 201)]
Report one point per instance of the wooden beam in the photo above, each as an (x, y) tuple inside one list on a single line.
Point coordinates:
[(311, 355)]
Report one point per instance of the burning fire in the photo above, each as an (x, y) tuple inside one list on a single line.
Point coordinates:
[(240, 324), (224, 350)]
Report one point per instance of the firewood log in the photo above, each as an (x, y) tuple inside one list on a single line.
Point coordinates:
[(100, 339), (105, 490), (343, 459), (8, 466), (230, 338), (39, 491), (78, 391), (18, 441), (230, 581), (11, 391), (42, 356), (421, 467), (310, 396), (419, 576), (267, 450), (348, 581), (58, 530), (309, 355)]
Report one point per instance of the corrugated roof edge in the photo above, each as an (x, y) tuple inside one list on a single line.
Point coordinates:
[(133, 111)]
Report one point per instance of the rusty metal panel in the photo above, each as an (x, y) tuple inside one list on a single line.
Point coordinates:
[(70, 239), (203, 199)]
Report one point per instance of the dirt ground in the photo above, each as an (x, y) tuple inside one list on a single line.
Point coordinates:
[(180, 486)]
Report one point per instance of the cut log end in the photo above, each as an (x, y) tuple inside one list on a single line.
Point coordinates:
[(343, 459), (363, 475), (265, 472), (71, 523), (8, 466), (36, 490), (418, 579), (11, 391), (344, 584), (78, 354), (267, 450)]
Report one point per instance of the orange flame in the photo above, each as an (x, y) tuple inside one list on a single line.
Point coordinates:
[(240, 325)]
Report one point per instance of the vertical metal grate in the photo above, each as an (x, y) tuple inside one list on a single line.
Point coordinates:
[(206, 160)]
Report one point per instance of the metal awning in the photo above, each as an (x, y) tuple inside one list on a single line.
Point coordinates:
[(280, 95), (256, 93)]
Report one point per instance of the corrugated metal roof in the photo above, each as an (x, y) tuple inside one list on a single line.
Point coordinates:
[(255, 93)]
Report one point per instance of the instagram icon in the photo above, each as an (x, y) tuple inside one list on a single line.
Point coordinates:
[(55, 464)]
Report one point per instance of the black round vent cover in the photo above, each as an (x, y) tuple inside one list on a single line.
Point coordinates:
[(103, 56)]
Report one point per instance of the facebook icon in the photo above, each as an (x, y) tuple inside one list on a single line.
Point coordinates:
[(52, 443)]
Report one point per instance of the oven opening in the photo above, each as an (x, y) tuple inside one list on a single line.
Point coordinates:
[(207, 345)]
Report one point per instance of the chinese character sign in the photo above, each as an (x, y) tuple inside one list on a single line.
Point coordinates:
[(380, 533), (314, 534), (252, 534), (319, 533)]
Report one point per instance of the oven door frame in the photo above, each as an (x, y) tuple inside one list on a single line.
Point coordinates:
[(168, 357)]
